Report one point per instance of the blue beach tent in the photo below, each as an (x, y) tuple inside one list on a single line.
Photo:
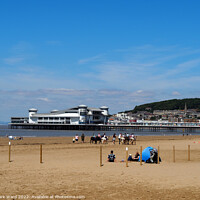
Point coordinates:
[(146, 154)]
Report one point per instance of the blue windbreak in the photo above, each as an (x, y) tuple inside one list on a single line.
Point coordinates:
[(146, 153)]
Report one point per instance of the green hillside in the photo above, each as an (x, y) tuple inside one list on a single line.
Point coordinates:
[(173, 104)]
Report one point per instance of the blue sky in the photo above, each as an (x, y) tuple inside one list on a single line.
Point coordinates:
[(59, 54)]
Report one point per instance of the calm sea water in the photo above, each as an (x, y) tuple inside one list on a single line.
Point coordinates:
[(5, 131)]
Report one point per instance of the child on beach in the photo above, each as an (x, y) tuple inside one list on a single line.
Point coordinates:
[(76, 137)]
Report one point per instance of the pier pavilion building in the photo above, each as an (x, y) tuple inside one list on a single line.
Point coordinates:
[(81, 114)]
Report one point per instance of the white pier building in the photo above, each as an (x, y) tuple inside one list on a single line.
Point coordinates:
[(81, 114)]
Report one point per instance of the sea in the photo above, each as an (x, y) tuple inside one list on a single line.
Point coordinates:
[(6, 131)]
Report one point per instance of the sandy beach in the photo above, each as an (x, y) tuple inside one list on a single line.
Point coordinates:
[(72, 171)]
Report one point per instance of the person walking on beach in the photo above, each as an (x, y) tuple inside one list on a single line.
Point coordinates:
[(119, 137), (114, 138), (104, 138), (82, 138)]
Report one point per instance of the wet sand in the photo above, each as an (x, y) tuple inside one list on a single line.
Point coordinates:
[(73, 170)]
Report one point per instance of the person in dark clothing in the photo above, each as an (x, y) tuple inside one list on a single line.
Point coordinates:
[(136, 157), (82, 138), (130, 158), (111, 157), (153, 156)]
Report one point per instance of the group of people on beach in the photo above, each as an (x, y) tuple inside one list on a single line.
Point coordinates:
[(153, 156), (111, 157), (76, 138), (122, 138), (101, 138)]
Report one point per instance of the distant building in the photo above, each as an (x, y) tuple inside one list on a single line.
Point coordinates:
[(78, 115), (122, 115)]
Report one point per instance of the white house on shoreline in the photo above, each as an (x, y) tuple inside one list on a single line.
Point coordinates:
[(81, 114)]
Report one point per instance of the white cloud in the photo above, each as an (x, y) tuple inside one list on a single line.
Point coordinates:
[(43, 99), (13, 60), (21, 47), (19, 53), (183, 67), (63, 91), (175, 93), (149, 68), (142, 93), (91, 59), (112, 92)]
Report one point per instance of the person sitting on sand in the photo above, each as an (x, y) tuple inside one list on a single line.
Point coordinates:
[(135, 158), (111, 157), (130, 158), (153, 156)]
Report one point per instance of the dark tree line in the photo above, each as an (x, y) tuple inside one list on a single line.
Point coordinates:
[(173, 104)]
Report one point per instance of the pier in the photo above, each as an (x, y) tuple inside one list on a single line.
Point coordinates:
[(94, 127)]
